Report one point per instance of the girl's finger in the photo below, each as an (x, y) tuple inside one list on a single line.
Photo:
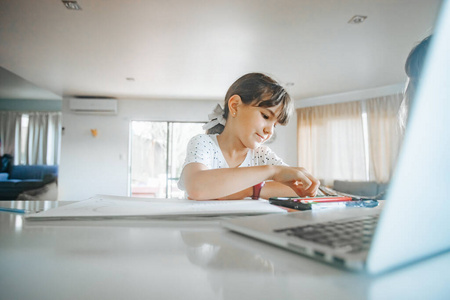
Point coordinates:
[(306, 182), (298, 189), (315, 184), (311, 191)]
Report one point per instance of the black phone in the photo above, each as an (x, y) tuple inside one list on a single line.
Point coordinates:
[(290, 203)]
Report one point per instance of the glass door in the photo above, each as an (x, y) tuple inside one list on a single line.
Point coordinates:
[(158, 150)]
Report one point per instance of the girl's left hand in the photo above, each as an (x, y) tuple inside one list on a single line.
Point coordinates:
[(298, 179)]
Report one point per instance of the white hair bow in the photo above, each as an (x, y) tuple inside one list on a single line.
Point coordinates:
[(215, 117)]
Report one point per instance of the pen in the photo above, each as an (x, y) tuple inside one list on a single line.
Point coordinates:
[(321, 205), (310, 203), (15, 210), (325, 199), (353, 203), (319, 199)]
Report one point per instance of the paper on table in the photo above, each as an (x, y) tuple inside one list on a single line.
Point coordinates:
[(105, 206)]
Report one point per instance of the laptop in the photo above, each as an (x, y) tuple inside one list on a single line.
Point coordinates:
[(414, 222)]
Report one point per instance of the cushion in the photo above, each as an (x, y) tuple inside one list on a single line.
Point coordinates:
[(33, 171), (6, 184), (382, 189), (359, 188), (6, 163), (4, 176), (47, 192)]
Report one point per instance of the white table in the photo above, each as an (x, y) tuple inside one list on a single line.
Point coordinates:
[(163, 259)]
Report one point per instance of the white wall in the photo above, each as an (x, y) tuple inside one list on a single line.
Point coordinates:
[(351, 96), (99, 165)]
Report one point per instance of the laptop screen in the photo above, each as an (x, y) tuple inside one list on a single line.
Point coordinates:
[(417, 207)]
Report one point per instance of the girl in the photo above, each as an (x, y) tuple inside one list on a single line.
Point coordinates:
[(229, 162)]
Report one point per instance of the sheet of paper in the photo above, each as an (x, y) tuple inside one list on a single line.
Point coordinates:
[(104, 206)]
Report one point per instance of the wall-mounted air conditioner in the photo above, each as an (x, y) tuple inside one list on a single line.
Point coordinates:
[(93, 106)]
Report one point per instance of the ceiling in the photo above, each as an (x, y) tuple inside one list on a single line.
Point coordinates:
[(195, 49)]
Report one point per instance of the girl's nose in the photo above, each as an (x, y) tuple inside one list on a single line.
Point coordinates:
[(268, 129)]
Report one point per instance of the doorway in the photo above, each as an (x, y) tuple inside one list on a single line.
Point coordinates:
[(158, 150)]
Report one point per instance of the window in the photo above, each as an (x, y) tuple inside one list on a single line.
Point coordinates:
[(24, 122), (158, 150)]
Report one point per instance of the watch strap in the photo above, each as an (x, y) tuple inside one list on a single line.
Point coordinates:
[(257, 190)]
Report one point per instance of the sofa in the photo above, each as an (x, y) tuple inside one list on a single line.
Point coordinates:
[(361, 188), (19, 179)]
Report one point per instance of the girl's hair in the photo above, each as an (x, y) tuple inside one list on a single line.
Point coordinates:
[(259, 90), (416, 59), (413, 68)]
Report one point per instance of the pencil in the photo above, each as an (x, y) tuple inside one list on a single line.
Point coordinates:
[(15, 210)]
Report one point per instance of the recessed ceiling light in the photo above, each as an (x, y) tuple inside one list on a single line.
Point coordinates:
[(73, 5), (357, 19)]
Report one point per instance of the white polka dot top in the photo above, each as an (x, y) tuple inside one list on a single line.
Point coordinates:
[(204, 149)]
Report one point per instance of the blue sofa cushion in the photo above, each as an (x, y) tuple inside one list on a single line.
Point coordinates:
[(4, 176), (33, 172)]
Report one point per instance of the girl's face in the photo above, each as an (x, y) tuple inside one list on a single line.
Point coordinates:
[(256, 124)]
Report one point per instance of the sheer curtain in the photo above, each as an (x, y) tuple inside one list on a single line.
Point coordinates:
[(43, 139), (331, 141), (10, 122), (36, 143), (384, 135)]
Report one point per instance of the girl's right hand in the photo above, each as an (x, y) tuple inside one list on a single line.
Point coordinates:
[(298, 179)]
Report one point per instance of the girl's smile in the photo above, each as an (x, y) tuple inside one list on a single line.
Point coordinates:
[(261, 138)]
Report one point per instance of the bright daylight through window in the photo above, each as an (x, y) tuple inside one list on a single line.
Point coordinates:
[(158, 150)]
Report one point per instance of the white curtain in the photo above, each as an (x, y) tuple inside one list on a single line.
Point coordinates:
[(331, 141), (37, 143), (9, 127), (384, 135), (43, 139)]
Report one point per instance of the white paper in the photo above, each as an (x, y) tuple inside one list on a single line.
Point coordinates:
[(105, 206)]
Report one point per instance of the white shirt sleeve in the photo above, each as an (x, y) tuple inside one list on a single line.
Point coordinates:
[(202, 149)]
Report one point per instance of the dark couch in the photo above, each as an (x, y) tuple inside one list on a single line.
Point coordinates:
[(21, 178)]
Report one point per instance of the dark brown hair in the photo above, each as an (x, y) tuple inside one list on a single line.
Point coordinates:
[(413, 67), (259, 90), (416, 59)]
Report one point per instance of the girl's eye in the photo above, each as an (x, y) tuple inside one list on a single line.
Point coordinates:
[(265, 116)]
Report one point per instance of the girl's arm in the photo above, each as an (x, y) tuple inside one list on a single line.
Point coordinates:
[(270, 189), (276, 189), (202, 183)]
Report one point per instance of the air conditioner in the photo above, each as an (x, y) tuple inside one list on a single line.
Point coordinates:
[(93, 106)]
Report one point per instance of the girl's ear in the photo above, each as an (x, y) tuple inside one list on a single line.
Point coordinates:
[(233, 104)]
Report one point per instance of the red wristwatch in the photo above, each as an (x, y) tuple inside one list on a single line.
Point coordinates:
[(257, 190)]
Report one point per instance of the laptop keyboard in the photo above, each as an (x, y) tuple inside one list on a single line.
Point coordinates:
[(348, 235)]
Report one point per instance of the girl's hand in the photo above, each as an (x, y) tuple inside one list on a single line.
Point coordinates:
[(298, 179)]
